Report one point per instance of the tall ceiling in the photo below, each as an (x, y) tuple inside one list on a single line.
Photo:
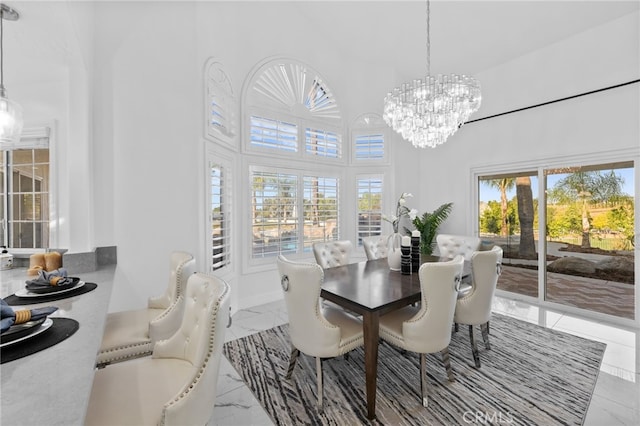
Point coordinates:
[(466, 36)]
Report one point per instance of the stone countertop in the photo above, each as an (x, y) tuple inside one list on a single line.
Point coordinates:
[(53, 386)]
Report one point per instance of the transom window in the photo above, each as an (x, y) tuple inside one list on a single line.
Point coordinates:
[(368, 134), (369, 147), (323, 143), (269, 133)]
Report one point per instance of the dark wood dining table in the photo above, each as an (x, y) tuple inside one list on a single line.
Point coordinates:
[(371, 289)]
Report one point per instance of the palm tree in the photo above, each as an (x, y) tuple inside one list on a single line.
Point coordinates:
[(586, 188), (526, 214), (503, 185)]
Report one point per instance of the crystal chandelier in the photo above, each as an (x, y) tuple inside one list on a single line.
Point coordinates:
[(10, 111), (426, 112)]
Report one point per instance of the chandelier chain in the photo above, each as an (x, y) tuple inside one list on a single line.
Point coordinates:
[(2, 49), (428, 40), (426, 112)]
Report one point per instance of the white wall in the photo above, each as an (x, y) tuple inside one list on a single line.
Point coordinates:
[(147, 141), (599, 123)]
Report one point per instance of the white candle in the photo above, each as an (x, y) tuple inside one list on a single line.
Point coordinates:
[(406, 240), (415, 233)]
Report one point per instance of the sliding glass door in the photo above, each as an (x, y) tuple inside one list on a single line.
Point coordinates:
[(590, 237), (508, 217), (585, 258)]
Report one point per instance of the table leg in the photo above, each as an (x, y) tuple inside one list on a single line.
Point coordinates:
[(371, 334)]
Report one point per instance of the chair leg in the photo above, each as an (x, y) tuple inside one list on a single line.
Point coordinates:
[(447, 363), (474, 348), (485, 335), (455, 327), (292, 361), (319, 380), (488, 329), (423, 379)]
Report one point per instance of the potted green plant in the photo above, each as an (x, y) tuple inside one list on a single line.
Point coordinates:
[(428, 225)]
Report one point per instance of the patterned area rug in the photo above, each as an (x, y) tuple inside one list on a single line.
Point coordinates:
[(531, 376)]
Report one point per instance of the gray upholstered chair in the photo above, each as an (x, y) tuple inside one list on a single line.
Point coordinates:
[(474, 306), (332, 253), (452, 245), (375, 247), (427, 328), (131, 334), (177, 384), (315, 330)]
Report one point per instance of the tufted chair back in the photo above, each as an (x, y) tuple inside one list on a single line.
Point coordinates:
[(474, 308), (177, 384), (332, 253), (198, 341), (452, 245), (310, 332), (182, 265), (132, 334), (430, 329), (375, 247)]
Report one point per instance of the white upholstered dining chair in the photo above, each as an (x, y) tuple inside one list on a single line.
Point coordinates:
[(332, 253), (474, 306), (427, 328), (315, 330), (452, 245), (132, 334), (177, 384), (376, 247)]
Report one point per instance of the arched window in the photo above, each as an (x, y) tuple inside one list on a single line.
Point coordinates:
[(290, 113), (292, 110), (220, 104)]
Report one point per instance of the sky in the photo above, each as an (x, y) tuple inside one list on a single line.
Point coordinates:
[(487, 193)]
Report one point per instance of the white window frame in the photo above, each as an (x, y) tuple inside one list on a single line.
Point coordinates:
[(277, 89), (216, 156), (367, 125), (358, 178), (39, 136), (302, 124), (219, 92), (540, 165), (251, 264)]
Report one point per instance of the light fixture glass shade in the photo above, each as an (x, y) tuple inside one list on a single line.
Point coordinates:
[(10, 122), (426, 112)]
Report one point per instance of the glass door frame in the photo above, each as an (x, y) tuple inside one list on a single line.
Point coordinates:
[(540, 166)]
